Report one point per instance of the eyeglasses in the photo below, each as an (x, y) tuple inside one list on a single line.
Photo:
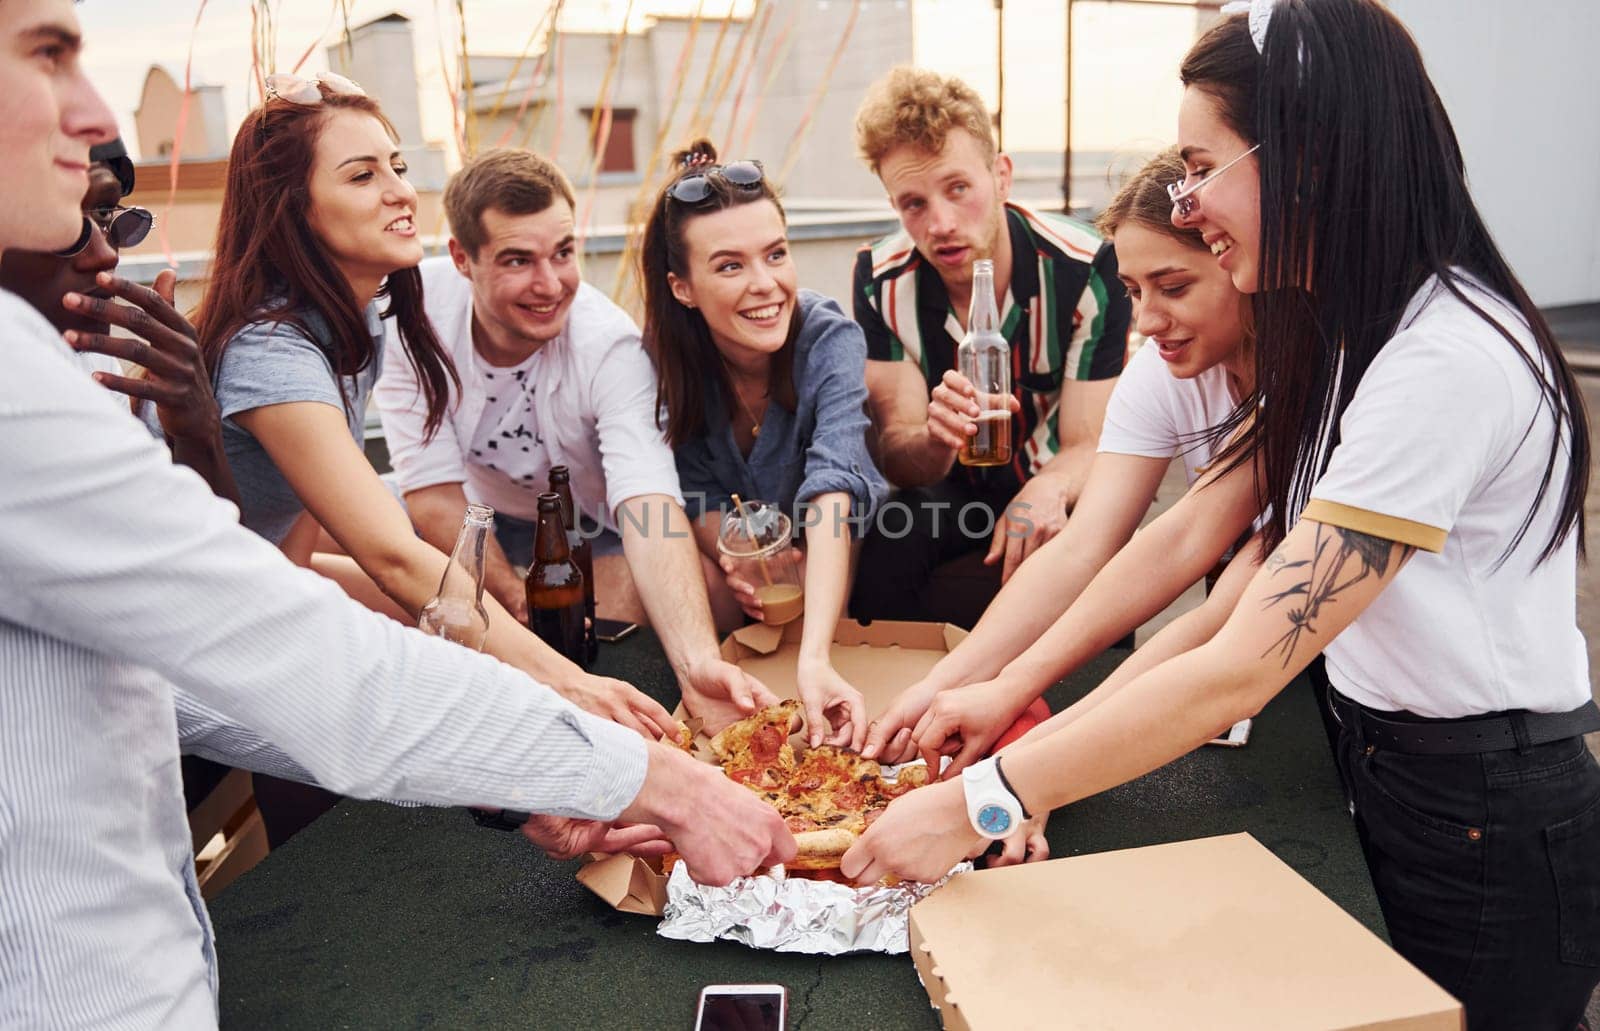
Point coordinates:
[(305, 92), (1183, 202), (694, 186), (121, 226)]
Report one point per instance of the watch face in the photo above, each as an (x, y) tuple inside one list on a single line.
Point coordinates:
[(994, 820)]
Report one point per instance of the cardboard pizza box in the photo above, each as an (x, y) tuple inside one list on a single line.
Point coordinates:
[(1211, 933), (880, 660)]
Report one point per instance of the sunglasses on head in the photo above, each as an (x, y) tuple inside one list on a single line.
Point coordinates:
[(121, 226), (305, 92), (694, 186)]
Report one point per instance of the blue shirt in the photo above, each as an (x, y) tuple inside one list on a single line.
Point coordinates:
[(818, 448)]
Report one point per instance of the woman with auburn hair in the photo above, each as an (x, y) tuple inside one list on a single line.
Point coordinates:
[(764, 391), (317, 225), (1425, 453), (1059, 610)]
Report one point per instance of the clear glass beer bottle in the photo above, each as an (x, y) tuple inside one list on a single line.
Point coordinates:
[(555, 585), (456, 613), (984, 358)]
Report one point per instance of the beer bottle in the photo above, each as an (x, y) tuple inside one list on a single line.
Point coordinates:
[(456, 613), (582, 553), (984, 358), (555, 585)]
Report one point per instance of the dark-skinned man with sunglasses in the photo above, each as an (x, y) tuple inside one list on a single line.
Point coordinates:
[(78, 291)]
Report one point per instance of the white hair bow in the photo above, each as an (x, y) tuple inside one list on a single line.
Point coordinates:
[(1260, 16)]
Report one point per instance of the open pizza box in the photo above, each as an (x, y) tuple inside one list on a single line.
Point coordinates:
[(1212, 933), (880, 660)]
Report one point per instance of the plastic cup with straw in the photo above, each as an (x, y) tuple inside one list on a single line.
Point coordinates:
[(765, 552)]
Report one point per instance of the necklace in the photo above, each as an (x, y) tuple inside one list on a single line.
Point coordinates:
[(755, 424)]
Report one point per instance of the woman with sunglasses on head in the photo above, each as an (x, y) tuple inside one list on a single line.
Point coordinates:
[(317, 229), (1425, 454), (1096, 581), (763, 386)]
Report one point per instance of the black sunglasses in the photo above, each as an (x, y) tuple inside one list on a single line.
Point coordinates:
[(122, 227), (694, 186)]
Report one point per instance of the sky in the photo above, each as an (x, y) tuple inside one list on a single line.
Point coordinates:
[(1126, 57)]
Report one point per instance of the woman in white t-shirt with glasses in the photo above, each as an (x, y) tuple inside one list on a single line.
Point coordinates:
[(1195, 367), (1425, 455)]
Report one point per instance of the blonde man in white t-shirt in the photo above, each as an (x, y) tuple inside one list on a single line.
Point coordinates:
[(552, 373), (1190, 374)]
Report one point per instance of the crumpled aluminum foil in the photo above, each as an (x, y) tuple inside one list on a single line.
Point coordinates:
[(769, 911)]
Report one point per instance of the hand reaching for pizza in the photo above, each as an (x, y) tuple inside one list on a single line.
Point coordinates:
[(619, 702), (1027, 845), (965, 722), (836, 714), (564, 837), (718, 692), (720, 828), (919, 837), (889, 736)]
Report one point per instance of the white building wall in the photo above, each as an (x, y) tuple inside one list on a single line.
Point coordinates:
[(381, 58), (1522, 87), (768, 118)]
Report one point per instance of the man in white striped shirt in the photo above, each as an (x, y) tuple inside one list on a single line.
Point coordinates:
[(124, 579)]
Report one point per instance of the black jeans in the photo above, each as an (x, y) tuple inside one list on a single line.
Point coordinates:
[(915, 532), (1487, 867)]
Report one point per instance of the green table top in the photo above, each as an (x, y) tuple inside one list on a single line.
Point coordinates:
[(379, 916)]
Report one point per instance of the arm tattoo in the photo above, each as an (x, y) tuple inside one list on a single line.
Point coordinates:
[(1340, 559)]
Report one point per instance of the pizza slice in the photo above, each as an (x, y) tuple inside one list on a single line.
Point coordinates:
[(755, 751), (831, 799)]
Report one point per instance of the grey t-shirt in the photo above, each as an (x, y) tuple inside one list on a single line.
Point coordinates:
[(269, 363)]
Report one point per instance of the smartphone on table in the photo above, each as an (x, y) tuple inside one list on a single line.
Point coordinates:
[(613, 630), (742, 1007)]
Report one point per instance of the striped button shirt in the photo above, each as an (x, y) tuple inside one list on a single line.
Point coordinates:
[(1066, 316), (126, 580)]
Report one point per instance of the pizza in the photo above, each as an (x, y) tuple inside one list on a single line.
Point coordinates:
[(828, 796), (755, 751)]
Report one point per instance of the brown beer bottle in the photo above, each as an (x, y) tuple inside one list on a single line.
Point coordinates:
[(555, 585), (582, 552)]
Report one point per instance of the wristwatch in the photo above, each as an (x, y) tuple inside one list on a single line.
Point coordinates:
[(993, 808), (499, 819)]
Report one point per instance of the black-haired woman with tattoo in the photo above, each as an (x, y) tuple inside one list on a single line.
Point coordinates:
[(1423, 452)]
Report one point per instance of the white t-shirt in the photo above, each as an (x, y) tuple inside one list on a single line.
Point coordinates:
[(507, 441), (1442, 448), (1154, 414), (593, 409)]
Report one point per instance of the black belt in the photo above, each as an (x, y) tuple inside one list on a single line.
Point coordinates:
[(1490, 732)]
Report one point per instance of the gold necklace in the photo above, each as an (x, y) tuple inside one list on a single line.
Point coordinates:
[(755, 424)]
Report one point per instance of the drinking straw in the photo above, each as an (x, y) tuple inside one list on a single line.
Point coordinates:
[(744, 517)]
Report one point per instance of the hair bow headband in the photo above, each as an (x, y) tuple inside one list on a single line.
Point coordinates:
[(1260, 16)]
